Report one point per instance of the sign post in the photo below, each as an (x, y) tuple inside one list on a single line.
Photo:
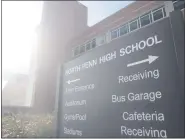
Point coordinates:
[(127, 88)]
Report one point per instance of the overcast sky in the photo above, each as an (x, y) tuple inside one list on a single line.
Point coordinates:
[(19, 20)]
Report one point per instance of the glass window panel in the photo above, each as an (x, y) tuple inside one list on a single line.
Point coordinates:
[(123, 30), (100, 40), (145, 20), (82, 48), (93, 43), (133, 25), (114, 34), (73, 52), (76, 51), (157, 14), (88, 46)]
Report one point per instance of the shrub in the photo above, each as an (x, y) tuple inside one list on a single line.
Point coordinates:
[(26, 125)]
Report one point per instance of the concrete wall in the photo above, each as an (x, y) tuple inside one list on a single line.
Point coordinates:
[(61, 21)]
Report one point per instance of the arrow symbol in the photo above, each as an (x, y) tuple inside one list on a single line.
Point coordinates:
[(150, 59), (70, 81)]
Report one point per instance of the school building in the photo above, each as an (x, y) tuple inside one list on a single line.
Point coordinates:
[(64, 35)]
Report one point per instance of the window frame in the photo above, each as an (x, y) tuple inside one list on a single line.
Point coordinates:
[(147, 14), (164, 12), (135, 20), (88, 42), (78, 51), (156, 10), (122, 27), (99, 37), (117, 29), (95, 42), (83, 45), (117, 32)]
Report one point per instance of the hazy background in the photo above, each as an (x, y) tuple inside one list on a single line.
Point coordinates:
[(19, 22)]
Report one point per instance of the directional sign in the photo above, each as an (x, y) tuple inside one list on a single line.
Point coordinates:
[(129, 87), (71, 81), (150, 59)]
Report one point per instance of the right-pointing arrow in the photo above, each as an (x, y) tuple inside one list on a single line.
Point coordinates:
[(150, 59)]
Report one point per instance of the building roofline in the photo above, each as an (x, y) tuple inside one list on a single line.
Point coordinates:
[(81, 4), (108, 22), (92, 29), (113, 14)]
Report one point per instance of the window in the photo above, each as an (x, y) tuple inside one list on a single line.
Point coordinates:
[(76, 51), (93, 43), (133, 25), (124, 30), (145, 20), (157, 14), (179, 4), (114, 34), (88, 46), (82, 48), (100, 40)]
